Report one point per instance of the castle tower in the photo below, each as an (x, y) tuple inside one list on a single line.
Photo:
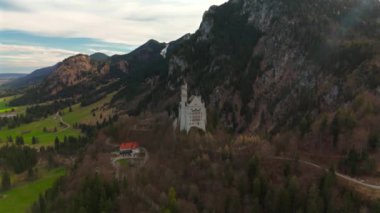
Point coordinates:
[(182, 108), (192, 111), (184, 93)]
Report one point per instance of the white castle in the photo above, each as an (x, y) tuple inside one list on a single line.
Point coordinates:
[(192, 111)]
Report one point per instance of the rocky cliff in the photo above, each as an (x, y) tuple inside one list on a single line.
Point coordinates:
[(269, 64)]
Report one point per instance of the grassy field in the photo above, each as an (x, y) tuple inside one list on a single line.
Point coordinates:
[(88, 114), (35, 129), (123, 162), (20, 198), (5, 108), (4, 104)]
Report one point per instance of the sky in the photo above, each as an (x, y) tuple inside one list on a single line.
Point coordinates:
[(40, 33)]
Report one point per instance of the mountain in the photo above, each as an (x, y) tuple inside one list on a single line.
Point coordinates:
[(299, 79), (31, 79), (265, 65), (37, 76), (259, 65), (11, 75), (82, 76), (99, 56), (6, 77)]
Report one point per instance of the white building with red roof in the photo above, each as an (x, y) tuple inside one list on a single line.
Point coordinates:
[(129, 148)]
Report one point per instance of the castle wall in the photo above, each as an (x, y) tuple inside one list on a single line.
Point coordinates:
[(191, 114)]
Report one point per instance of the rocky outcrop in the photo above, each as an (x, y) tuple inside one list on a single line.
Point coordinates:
[(78, 69)]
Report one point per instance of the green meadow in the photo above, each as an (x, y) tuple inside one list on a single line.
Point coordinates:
[(88, 114), (20, 198), (5, 108), (36, 129), (85, 114)]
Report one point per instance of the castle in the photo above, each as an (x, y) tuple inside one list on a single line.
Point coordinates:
[(192, 111)]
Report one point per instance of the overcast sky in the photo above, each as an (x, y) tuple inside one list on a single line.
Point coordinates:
[(39, 33)]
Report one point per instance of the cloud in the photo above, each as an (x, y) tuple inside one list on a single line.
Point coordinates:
[(130, 22), (22, 58), (43, 32), (8, 5), (106, 51)]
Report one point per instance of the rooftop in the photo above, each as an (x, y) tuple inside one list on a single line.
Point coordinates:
[(129, 145)]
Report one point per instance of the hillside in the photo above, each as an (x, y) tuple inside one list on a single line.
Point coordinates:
[(11, 75), (6, 77), (31, 79), (268, 65), (99, 56), (292, 90), (260, 66), (83, 78)]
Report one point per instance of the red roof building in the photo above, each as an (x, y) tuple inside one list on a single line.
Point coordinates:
[(128, 146)]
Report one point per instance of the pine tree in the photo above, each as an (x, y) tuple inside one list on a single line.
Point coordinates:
[(30, 173), (56, 143), (5, 181), (335, 130), (19, 140), (313, 203), (34, 140), (253, 168), (172, 201)]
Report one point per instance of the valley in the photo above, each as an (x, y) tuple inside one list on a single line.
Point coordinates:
[(43, 135), (3, 81), (270, 106), (46, 130), (8, 77)]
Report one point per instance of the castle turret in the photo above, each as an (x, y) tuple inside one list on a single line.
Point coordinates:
[(184, 93), (182, 108)]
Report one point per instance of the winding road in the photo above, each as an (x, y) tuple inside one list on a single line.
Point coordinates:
[(67, 125), (345, 177)]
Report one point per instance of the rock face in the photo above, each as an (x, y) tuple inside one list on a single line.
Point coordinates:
[(73, 71), (268, 64)]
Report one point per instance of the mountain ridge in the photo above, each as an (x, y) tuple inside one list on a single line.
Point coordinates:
[(259, 65)]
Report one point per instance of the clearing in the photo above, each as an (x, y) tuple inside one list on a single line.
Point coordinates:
[(36, 129), (20, 198), (90, 114)]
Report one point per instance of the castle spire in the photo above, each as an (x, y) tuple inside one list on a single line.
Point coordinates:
[(184, 92)]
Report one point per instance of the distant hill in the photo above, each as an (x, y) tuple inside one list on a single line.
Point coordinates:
[(99, 56), (11, 75), (6, 77), (84, 77), (33, 78)]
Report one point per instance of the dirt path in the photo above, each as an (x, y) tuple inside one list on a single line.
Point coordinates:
[(67, 125), (345, 177)]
